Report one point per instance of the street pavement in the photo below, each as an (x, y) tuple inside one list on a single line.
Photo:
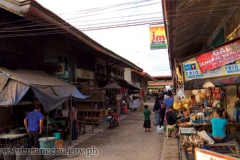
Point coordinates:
[(128, 141)]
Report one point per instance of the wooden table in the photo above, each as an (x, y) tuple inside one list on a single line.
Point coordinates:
[(230, 148), (13, 137), (203, 126), (185, 131)]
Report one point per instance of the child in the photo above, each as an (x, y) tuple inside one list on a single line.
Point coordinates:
[(147, 121)]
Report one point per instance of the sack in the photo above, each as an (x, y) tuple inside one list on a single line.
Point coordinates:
[(205, 136), (181, 93), (160, 129)]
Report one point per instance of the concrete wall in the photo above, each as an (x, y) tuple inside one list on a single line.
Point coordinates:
[(127, 74), (231, 93)]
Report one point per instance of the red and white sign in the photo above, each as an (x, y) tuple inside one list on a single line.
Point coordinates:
[(219, 57), (201, 154)]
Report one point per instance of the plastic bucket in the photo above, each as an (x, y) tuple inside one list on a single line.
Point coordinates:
[(57, 135), (47, 142)]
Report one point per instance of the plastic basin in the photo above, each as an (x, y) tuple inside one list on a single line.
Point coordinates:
[(57, 135), (47, 142)]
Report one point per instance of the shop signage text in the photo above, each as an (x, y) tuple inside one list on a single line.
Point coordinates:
[(192, 70), (219, 57), (157, 37), (84, 74), (55, 68)]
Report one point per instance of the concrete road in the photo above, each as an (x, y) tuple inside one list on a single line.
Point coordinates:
[(128, 141)]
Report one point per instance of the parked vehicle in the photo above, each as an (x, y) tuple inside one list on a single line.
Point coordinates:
[(112, 118)]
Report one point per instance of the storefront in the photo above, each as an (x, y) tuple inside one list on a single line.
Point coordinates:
[(213, 76), (21, 90)]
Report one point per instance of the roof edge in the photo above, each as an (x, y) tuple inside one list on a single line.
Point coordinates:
[(31, 8)]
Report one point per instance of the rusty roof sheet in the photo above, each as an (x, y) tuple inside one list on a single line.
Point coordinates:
[(191, 23)]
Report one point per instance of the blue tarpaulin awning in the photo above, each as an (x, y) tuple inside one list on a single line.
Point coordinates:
[(49, 90)]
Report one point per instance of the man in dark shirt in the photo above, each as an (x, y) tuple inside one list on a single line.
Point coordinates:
[(172, 119), (171, 116), (34, 123), (156, 109)]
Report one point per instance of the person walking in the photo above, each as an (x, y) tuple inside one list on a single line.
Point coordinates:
[(156, 109), (162, 111), (73, 117), (168, 102), (34, 123), (147, 121)]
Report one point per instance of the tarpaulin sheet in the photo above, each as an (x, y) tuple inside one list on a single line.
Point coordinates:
[(3, 81), (12, 93), (218, 82), (50, 91)]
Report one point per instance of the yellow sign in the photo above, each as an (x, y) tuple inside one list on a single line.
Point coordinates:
[(192, 70), (158, 37)]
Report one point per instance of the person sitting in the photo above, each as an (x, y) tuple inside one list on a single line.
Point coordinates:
[(186, 115), (172, 119), (218, 126), (171, 116)]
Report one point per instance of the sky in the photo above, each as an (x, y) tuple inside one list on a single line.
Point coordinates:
[(131, 42)]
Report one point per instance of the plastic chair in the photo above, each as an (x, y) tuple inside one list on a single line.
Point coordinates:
[(169, 127)]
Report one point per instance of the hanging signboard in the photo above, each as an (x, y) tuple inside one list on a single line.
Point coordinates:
[(55, 68), (218, 57), (193, 71), (84, 74), (201, 154), (158, 37)]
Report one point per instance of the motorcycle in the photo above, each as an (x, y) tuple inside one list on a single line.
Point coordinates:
[(112, 118)]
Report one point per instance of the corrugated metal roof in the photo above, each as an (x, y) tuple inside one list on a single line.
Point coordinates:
[(191, 24), (31, 9)]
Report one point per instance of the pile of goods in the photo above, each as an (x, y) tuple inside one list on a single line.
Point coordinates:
[(192, 141), (183, 103), (197, 118), (185, 124)]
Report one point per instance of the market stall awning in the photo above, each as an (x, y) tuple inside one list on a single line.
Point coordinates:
[(112, 86), (50, 90), (129, 85), (218, 82)]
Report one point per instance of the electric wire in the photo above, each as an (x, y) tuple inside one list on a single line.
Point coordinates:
[(26, 26), (45, 25), (84, 29), (111, 6), (52, 28), (115, 22), (55, 15)]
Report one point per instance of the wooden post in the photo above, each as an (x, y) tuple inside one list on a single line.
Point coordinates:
[(92, 116), (70, 119)]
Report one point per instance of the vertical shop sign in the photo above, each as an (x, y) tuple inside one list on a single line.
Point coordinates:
[(158, 37)]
